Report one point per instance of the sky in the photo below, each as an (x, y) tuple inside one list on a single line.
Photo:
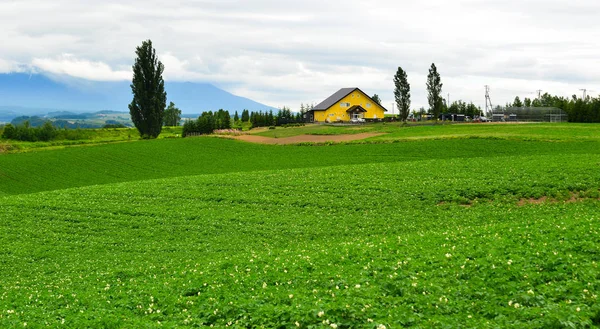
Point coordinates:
[(283, 53)]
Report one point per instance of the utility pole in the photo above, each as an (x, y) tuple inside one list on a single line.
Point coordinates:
[(488, 101), (539, 92), (448, 99), (584, 91)]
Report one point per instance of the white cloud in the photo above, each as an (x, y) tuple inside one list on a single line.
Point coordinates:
[(69, 65), (7, 66), (284, 53)]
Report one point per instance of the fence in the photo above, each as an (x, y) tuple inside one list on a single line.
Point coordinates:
[(529, 114)]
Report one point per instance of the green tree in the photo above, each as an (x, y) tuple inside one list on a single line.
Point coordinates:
[(172, 115), (9, 132), (527, 102), (236, 117), (148, 87), (245, 116), (402, 93), (517, 102), (434, 91), (376, 99)]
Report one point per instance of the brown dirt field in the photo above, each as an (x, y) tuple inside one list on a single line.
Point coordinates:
[(303, 138)]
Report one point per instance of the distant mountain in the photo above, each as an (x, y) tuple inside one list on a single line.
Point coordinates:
[(37, 94)]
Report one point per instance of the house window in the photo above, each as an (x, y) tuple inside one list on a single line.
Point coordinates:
[(344, 104)]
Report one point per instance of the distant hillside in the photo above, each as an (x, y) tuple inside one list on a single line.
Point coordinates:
[(37, 94)]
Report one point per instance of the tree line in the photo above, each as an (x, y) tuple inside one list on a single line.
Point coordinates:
[(43, 133), (208, 122)]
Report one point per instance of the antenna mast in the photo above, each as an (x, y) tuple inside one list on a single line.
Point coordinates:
[(488, 101)]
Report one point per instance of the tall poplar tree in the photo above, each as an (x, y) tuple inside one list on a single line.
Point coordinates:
[(402, 94), (148, 87), (434, 91)]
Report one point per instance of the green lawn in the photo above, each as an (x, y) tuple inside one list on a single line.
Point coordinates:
[(428, 231), (398, 131)]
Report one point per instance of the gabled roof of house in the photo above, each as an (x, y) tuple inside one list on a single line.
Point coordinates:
[(356, 108), (337, 96)]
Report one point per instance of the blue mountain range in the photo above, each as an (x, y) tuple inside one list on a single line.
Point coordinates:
[(38, 94)]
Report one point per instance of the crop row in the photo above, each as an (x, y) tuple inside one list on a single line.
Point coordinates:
[(312, 247), (107, 164)]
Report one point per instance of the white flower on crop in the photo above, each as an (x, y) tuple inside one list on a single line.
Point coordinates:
[(357, 286), (530, 292), (510, 303), (414, 284), (297, 324), (24, 324), (569, 301), (369, 320), (516, 305), (381, 326), (10, 311), (578, 309), (264, 285), (320, 314), (333, 325), (469, 316), (291, 296), (448, 255), (509, 262)]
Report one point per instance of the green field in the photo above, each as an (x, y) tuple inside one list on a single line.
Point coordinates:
[(460, 229), (399, 131), (84, 137)]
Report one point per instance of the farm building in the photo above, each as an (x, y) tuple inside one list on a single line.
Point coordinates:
[(345, 105)]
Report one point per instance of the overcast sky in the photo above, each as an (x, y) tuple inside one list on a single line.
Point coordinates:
[(285, 52)]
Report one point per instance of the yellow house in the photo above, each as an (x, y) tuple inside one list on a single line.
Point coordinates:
[(346, 104)]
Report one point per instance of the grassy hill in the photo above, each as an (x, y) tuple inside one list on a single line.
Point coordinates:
[(450, 232)]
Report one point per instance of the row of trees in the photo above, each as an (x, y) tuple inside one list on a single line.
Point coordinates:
[(207, 123), (434, 92), (266, 119), (25, 132)]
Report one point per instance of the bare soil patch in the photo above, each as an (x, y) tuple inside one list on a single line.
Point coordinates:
[(574, 197), (303, 138)]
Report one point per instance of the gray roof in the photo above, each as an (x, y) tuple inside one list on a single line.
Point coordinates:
[(356, 108), (324, 105)]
